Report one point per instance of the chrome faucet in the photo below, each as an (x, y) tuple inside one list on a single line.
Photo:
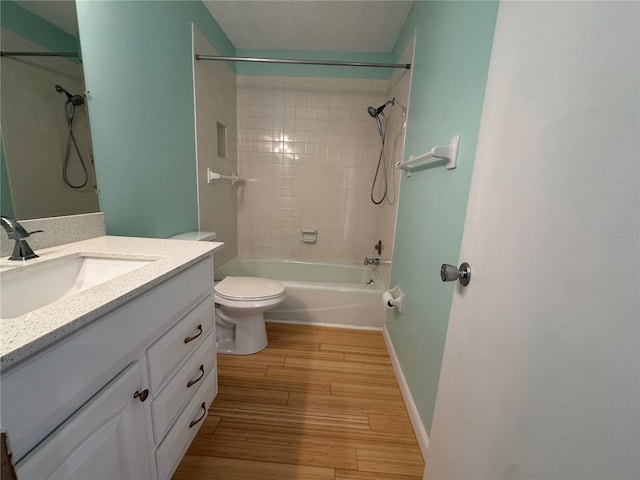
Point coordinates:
[(376, 261), (15, 231)]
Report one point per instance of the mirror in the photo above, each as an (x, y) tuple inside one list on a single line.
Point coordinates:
[(47, 161)]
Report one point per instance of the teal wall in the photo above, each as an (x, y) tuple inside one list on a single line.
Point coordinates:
[(453, 46), (138, 70), (245, 68), (15, 18)]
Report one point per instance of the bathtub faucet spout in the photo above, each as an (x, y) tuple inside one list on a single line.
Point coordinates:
[(376, 261), (371, 261)]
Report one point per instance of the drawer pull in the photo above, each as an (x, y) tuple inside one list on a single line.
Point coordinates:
[(193, 382), (204, 413), (191, 339), (142, 396)]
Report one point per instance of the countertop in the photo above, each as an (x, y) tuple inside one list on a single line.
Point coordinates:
[(23, 336)]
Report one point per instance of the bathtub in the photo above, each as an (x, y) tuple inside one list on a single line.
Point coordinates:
[(319, 293)]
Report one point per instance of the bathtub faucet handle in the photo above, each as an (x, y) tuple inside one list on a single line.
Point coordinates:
[(378, 247)]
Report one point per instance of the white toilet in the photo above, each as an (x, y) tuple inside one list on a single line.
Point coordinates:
[(240, 306)]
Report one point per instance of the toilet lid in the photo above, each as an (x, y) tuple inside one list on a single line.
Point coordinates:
[(248, 288)]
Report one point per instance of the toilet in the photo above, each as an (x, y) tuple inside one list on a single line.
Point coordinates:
[(240, 306)]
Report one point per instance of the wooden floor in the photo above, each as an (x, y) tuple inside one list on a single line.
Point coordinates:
[(317, 404)]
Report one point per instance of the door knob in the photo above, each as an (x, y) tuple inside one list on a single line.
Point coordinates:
[(450, 273)]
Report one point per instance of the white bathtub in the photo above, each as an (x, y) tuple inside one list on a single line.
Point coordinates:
[(318, 292)]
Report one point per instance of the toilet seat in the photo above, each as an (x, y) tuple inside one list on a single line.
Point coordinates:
[(248, 289), (244, 300)]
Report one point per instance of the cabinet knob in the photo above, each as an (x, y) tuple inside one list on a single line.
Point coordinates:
[(141, 395)]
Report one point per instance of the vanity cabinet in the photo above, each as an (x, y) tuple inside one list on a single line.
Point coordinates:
[(122, 397)]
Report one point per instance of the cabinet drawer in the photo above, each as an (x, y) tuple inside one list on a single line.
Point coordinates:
[(166, 355), (176, 393), (177, 441)]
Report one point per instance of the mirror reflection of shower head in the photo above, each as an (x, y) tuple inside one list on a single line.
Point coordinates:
[(374, 112), (74, 99)]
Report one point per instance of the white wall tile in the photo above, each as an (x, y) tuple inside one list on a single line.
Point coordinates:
[(316, 164), (218, 100), (399, 86), (34, 130)]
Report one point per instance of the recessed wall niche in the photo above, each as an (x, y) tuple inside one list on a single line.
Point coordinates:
[(222, 140)]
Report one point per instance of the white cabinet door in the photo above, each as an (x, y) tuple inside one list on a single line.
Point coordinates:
[(108, 438)]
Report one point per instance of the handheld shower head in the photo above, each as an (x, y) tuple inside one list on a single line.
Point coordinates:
[(59, 89), (374, 112)]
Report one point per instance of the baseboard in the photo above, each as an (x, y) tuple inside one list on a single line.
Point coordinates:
[(414, 416)]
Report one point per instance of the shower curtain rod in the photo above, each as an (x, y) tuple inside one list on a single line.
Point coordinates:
[(406, 66), (38, 54)]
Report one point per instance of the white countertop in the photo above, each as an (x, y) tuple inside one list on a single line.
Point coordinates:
[(23, 336)]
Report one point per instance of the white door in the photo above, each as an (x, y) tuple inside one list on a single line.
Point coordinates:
[(108, 438), (540, 376)]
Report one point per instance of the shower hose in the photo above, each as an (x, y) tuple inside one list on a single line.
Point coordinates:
[(70, 111)]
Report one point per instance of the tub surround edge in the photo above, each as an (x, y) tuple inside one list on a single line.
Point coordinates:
[(317, 292), (346, 326)]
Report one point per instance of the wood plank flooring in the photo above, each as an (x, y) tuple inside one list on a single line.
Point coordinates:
[(317, 404)]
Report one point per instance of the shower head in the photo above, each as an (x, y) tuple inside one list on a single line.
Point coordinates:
[(59, 89), (75, 100), (374, 112)]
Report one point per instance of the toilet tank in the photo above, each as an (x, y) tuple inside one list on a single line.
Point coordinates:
[(196, 236)]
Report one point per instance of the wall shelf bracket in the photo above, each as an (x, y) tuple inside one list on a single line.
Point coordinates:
[(211, 176), (448, 152)]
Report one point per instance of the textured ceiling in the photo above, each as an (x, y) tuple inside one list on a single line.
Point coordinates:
[(316, 25)]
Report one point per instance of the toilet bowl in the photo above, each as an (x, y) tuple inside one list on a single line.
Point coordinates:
[(240, 306)]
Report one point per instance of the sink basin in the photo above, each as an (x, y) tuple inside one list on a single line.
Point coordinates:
[(24, 289)]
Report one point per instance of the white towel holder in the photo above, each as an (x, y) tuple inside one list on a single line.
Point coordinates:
[(211, 176), (448, 152)]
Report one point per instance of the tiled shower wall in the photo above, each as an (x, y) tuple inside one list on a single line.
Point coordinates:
[(308, 149), (399, 86), (215, 100), (34, 133)]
